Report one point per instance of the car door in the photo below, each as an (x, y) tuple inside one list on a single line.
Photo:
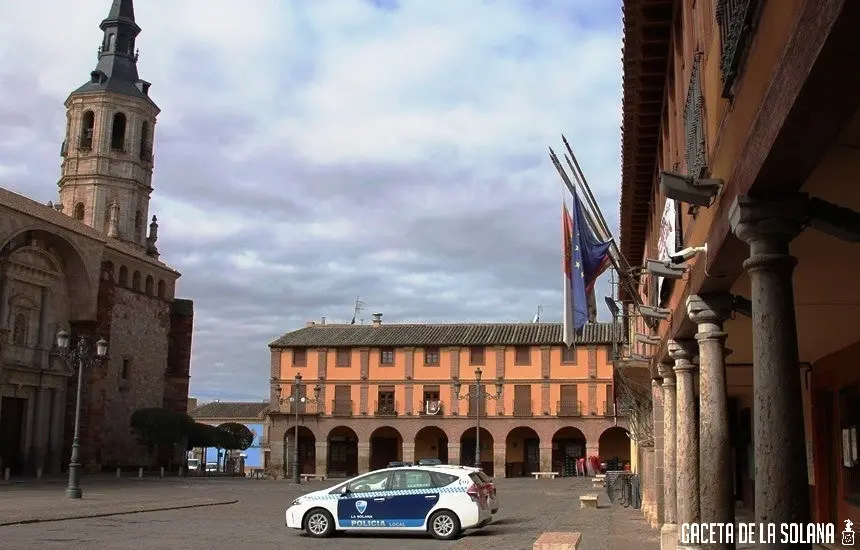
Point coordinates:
[(365, 504), (414, 495)]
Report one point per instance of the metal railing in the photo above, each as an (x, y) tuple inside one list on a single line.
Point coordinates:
[(523, 409), (342, 408), (386, 408), (303, 408), (609, 409), (568, 408)]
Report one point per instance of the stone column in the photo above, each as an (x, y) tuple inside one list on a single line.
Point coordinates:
[(55, 436), (5, 290), (657, 411), (545, 456), (499, 459), (408, 451), (42, 419), (781, 484), (669, 531), (716, 493), (27, 451), (453, 452), (687, 433), (363, 457), (321, 458), (44, 343)]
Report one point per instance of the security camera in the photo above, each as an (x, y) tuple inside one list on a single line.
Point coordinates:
[(687, 253), (684, 188)]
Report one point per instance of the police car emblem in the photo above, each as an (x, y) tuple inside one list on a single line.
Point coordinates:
[(361, 506)]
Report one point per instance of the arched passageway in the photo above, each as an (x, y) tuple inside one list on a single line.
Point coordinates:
[(568, 446), (614, 448), (467, 449), (386, 445), (307, 451), (342, 458), (522, 452), (431, 442)]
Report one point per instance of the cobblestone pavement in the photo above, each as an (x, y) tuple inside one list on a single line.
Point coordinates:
[(528, 508)]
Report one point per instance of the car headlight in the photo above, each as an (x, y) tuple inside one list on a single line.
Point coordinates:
[(298, 501)]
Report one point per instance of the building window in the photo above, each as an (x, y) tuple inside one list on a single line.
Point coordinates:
[(431, 403), (79, 211), (522, 355), (476, 355), (126, 368), (431, 356), (150, 284), (385, 401), (386, 356), (145, 142), (300, 357), (123, 276), (111, 43), (568, 354), (135, 281), (161, 288), (849, 416), (19, 331), (138, 226), (343, 357), (117, 135), (87, 125)]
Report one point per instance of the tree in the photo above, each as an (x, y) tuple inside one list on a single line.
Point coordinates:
[(237, 436), (155, 427)]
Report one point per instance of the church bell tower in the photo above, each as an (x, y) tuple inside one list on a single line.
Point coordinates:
[(106, 178)]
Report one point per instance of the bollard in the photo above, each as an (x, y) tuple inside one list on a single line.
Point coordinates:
[(7, 474), (162, 472), (39, 473), (118, 472), (140, 473)]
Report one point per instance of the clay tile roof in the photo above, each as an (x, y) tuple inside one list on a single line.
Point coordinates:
[(45, 213), (400, 335), (229, 410)]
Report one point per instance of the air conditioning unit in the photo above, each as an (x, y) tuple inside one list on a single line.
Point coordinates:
[(431, 407)]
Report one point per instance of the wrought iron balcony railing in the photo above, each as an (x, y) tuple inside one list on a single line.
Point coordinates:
[(568, 408), (609, 409), (386, 408), (342, 408), (288, 407), (523, 409)]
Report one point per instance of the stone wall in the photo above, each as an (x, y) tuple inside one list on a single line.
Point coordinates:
[(179, 355)]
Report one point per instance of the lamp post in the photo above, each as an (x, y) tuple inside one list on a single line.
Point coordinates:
[(294, 401), (479, 395), (82, 354)]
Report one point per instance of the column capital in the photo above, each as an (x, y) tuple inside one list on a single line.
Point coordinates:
[(683, 350), (710, 308), (779, 218)]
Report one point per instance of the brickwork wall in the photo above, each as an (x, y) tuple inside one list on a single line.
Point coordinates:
[(179, 355)]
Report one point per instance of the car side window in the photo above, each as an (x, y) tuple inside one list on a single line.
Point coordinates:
[(371, 482), (411, 479), (442, 480)]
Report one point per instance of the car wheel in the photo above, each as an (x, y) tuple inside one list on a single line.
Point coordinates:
[(444, 525), (319, 523)]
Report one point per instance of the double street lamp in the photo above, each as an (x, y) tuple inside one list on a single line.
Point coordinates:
[(479, 395), (294, 401), (81, 354)]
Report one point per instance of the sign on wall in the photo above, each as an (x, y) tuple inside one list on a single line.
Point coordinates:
[(667, 239)]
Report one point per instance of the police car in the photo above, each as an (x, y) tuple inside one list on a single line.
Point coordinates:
[(443, 501)]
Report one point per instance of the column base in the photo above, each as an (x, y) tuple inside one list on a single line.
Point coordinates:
[(669, 537)]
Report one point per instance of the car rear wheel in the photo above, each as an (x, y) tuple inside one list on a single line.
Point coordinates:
[(444, 525), (319, 523)]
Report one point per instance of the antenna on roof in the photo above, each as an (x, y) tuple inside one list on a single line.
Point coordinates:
[(359, 307), (537, 317)]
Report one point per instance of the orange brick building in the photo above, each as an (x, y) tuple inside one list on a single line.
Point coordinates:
[(386, 392)]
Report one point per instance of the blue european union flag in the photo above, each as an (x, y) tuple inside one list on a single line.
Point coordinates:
[(590, 258)]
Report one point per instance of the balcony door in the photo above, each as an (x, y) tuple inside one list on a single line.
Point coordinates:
[(342, 400), (569, 402), (522, 400)]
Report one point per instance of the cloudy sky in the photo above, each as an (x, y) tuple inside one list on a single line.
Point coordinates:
[(312, 151)]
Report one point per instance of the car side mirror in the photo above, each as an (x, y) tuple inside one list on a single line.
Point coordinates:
[(344, 490)]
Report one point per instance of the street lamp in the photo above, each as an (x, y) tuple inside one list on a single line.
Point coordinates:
[(82, 354), (479, 395), (294, 401)]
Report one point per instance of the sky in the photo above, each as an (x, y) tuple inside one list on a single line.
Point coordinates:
[(310, 152)]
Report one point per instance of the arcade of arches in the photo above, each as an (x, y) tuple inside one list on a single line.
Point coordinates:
[(341, 452)]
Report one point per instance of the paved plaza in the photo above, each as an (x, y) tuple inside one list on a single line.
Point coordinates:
[(224, 513)]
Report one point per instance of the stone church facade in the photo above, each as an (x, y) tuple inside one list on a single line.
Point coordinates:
[(87, 265)]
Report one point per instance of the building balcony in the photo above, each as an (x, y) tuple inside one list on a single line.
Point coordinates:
[(431, 408), (342, 408), (608, 409), (303, 409), (568, 408), (387, 408), (522, 409)]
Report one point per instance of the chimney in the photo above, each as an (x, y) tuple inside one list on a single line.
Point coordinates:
[(310, 324), (377, 319)]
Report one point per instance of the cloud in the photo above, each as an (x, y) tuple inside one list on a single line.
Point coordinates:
[(311, 152)]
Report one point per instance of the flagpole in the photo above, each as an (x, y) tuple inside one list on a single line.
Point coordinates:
[(615, 253)]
